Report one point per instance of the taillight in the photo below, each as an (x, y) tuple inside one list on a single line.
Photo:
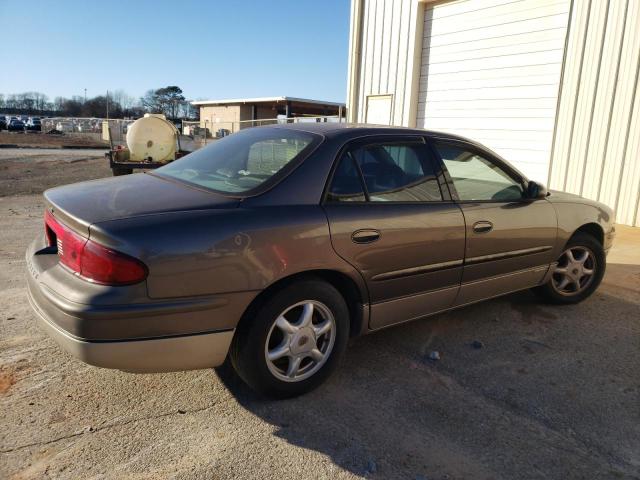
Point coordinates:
[(103, 265), (90, 260)]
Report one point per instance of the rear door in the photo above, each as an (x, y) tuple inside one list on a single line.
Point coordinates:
[(390, 219), (510, 238)]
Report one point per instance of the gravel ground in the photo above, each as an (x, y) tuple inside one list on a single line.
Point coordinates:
[(551, 392), (25, 170), (38, 139)]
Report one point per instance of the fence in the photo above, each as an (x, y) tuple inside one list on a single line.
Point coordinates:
[(194, 134), (211, 128), (87, 127)]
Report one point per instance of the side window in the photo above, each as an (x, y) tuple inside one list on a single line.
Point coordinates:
[(266, 157), (476, 178), (398, 173), (346, 185)]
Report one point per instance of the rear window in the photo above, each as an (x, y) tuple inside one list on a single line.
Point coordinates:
[(244, 162)]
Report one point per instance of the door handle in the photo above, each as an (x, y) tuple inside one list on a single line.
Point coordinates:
[(482, 227), (366, 235)]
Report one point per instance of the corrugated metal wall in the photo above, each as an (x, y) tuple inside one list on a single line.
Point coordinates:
[(386, 63), (491, 72), (596, 150)]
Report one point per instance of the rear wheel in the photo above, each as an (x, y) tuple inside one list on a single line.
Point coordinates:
[(578, 272), (294, 341)]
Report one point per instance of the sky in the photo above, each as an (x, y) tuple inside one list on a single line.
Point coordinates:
[(212, 49)]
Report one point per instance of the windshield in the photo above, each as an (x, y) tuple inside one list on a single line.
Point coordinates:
[(244, 161)]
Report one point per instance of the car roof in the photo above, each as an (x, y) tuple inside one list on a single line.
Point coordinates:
[(347, 131), (331, 129)]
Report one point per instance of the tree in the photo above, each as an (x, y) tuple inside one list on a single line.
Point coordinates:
[(167, 100), (40, 101), (28, 102), (70, 107), (126, 102)]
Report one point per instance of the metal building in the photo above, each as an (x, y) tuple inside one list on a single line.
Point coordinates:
[(551, 85)]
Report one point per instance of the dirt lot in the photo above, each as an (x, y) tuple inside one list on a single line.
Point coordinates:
[(25, 171), (42, 140), (553, 392)]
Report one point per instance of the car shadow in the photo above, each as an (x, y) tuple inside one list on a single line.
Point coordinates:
[(513, 395)]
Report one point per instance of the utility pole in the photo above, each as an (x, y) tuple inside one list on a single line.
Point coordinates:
[(107, 104), (85, 95)]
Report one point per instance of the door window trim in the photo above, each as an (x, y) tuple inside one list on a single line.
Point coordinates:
[(485, 154), (386, 140)]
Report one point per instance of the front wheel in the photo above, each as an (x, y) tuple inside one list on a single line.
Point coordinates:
[(294, 341), (578, 272)]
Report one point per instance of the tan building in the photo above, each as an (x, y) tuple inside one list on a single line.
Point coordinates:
[(234, 114)]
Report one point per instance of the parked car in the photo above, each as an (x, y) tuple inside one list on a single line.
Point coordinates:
[(274, 245), (3, 123), (34, 124), (15, 125)]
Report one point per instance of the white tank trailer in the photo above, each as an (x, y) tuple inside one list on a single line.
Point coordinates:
[(152, 141)]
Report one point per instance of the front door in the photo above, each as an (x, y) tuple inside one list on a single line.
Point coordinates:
[(389, 218), (510, 238)]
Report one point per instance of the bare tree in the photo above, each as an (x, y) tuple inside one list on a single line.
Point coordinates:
[(168, 100)]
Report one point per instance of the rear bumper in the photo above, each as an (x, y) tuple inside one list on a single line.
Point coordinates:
[(188, 352), (156, 336)]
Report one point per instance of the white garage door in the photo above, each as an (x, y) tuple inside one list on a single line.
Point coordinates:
[(491, 72)]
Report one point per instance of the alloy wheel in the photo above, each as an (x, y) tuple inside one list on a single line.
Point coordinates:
[(575, 271), (300, 341)]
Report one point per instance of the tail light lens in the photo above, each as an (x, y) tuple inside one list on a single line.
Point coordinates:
[(90, 260)]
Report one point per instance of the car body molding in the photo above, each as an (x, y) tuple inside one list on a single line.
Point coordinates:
[(405, 272), (509, 254)]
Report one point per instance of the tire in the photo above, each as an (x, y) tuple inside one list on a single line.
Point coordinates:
[(260, 333), (117, 171), (575, 292)]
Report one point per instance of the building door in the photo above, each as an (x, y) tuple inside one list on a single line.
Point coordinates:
[(379, 109)]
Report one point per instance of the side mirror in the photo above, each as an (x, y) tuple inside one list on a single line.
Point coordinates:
[(536, 191)]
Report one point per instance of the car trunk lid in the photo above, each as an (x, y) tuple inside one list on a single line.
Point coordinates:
[(82, 204)]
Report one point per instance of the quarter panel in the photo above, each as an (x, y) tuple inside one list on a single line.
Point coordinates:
[(246, 249), (101, 313)]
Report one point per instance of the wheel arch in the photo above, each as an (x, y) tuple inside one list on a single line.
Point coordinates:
[(586, 217), (592, 229), (354, 297)]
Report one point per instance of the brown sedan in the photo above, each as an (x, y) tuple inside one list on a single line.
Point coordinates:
[(275, 245)]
